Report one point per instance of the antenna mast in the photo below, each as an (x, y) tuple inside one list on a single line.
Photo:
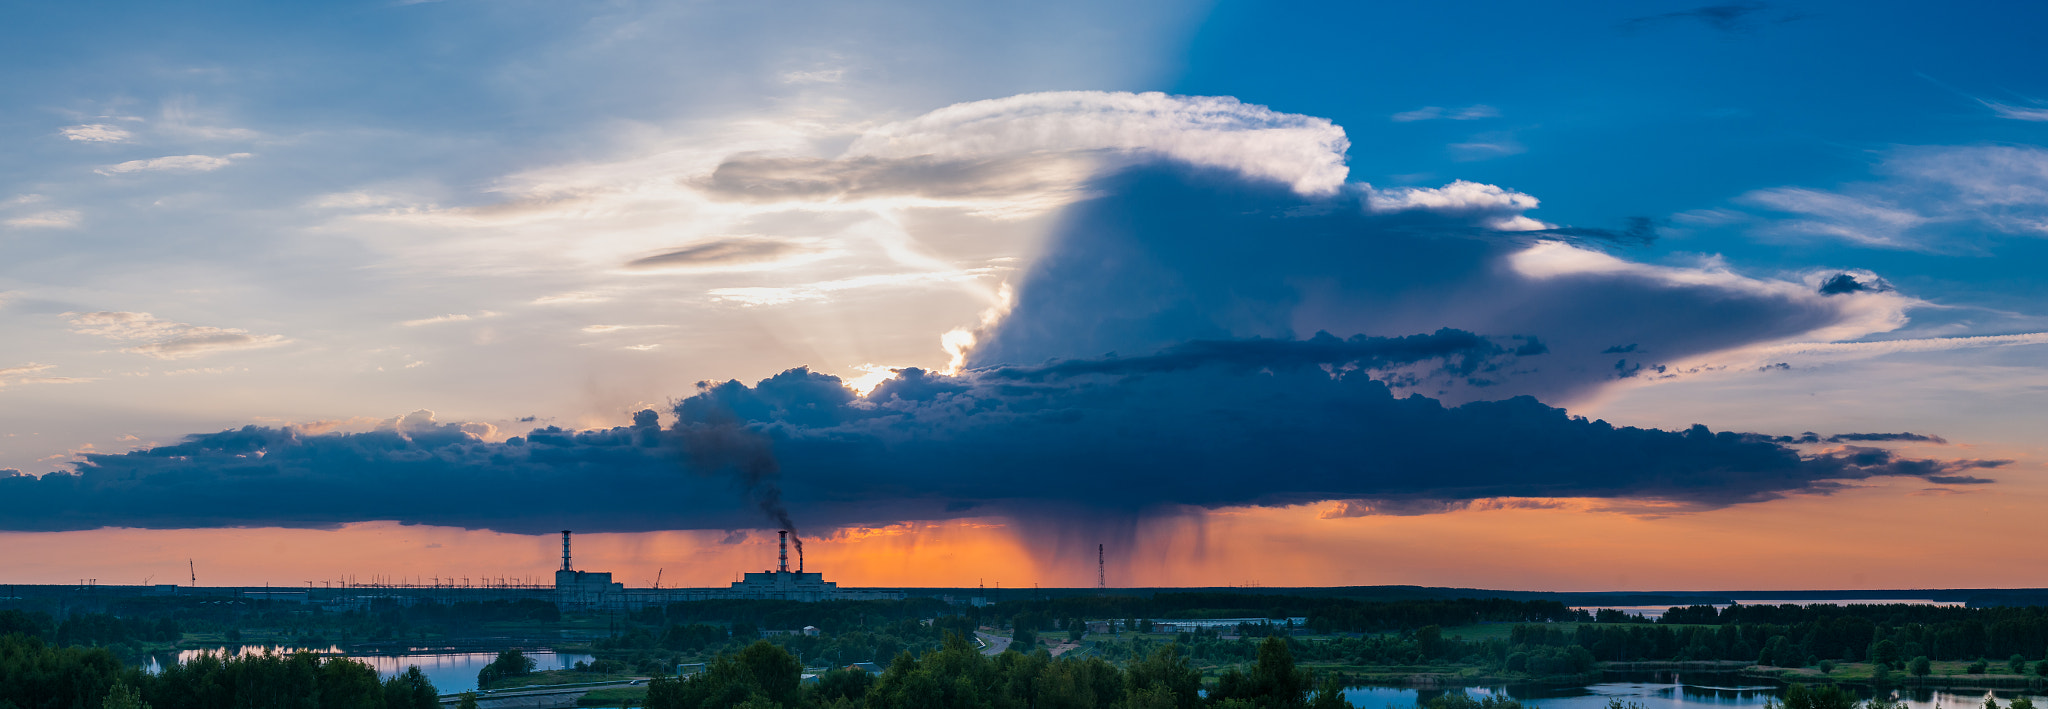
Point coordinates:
[(565, 551), (1101, 578)]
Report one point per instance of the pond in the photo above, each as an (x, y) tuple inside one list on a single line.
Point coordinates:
[(449, 671), (1661, 691)]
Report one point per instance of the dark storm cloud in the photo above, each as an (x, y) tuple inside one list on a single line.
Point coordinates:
[(1204, 425), (1867, 437), (1844, 283), (1169, 254), (720, 252), (1726, 17)]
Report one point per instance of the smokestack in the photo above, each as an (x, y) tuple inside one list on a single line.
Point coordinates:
[(565, 551), (782, 560)]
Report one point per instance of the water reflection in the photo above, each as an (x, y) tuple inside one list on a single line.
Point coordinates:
[(1664, 691), (449, 671)]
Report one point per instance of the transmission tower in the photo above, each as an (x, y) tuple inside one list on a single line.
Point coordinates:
[(1101, 578)]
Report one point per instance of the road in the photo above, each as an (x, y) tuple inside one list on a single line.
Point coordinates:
[(994, 644), (542, 697)]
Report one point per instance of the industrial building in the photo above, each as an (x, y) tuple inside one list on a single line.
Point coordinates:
[(591, 590)]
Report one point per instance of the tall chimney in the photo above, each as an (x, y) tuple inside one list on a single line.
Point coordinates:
[(565, 551), (782, 563)]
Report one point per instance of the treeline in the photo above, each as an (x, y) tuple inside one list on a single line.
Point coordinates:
[(37, 675), (763, 676), (89, 629), (1323, 614), (829, 616), (1789, 636)]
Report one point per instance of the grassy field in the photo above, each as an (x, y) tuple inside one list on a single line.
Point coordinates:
[(614, 697)]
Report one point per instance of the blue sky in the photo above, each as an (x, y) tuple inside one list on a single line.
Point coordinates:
[(463, 220)]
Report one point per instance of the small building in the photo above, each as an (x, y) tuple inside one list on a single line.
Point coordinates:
[(868, 667), (811, 631)]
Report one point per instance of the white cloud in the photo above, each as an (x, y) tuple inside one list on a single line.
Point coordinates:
[(174, 163), (48, 219), (1854, 316), (1496, 207), (436, 320), (164, 339), (97, 133)]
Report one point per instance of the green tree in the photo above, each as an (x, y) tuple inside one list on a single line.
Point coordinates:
[(1165, 675), (2021, 702), (510, 663), (2017, 663), (122, 696), (411, 690), (1273, 683), (1920, 666), (468, 700), (1827, 666), (348, 684), (1885, 652), (1329, 696)]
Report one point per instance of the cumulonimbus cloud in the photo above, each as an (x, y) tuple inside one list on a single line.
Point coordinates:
[(1170, 253)]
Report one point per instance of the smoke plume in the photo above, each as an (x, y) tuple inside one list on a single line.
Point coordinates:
[(717, 442)]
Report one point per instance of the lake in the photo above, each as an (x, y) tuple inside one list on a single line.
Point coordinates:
[(449, 671), (1660, 691), (1655, 612)]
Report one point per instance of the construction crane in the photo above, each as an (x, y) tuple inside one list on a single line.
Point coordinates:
[(657, 578), (194, 570)]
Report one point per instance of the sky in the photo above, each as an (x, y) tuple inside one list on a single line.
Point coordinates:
[(1609, 296)]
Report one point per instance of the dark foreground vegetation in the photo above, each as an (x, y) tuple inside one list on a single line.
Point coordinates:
[(1117, 650), (764, 676), (36, 675)]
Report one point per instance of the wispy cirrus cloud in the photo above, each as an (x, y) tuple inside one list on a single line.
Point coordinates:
[(164, 339), (1430, 113), (174, 163), (1932, 198), (2036, 113), (449, 318), (47, 219)]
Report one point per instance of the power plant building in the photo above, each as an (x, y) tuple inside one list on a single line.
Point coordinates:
[(590, 590)]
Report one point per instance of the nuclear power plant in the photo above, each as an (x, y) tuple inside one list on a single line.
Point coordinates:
[(595, 590)]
